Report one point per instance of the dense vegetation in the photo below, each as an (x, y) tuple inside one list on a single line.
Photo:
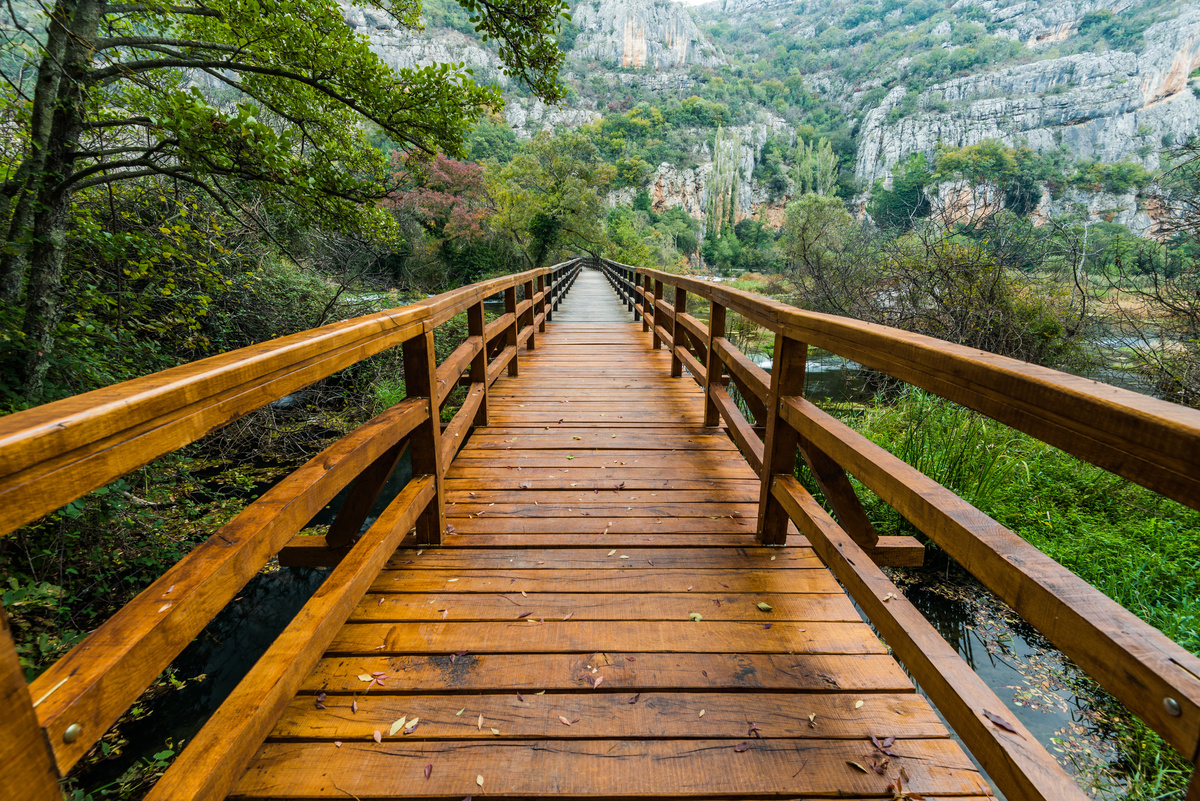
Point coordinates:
[(158, 220)]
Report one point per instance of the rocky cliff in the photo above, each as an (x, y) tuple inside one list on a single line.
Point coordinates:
[(640, 34), (1112, 106)]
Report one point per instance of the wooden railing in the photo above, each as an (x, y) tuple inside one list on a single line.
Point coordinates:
[(1148, 441), (53, 454)]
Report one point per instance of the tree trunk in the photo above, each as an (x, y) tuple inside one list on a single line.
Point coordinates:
[(51, 217), (26, 184)]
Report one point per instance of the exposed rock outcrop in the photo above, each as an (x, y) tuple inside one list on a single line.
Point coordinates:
[(1112, 106), (653, 34)]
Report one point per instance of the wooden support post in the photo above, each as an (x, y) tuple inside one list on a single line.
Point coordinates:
[(658, 293), (1193, 791), (362, 496), (779, 452), (510, 307), (715, 367), (540, 307), (420, 379), (636, 301), (528, 317), (836, 487), (648, 309), (479, 364), (27, 770), (680, 308)]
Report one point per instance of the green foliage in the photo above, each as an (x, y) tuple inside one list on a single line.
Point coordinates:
[(905, 202), (1117, 178), (492, 139)]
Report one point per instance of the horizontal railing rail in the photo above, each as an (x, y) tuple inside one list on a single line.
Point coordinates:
[(54, 454), (1148, 441)]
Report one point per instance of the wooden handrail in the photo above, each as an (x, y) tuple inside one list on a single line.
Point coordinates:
[(1151, 442), (53, 454)]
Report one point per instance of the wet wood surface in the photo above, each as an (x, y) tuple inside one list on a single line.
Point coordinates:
[(591, 623)]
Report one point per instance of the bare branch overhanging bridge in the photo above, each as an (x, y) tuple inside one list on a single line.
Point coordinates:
[(603, 579)]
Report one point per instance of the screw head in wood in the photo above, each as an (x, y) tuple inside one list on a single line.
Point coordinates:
[(72, 733), (1172, 707)]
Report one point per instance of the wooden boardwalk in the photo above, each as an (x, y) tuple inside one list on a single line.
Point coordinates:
[(591, 626)]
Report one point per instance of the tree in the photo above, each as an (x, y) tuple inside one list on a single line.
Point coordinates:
[(550, 197), (111, 92), (901, 206), (816, 167)]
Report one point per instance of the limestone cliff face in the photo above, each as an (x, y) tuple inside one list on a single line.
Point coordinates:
[(642, 34), (1111, 106), (693, 188)]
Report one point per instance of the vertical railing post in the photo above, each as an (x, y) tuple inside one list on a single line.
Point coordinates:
[(539, 308), (627, 288), (528, 317), (680, 308), (476, 325), (27, 768), (779, 453), (658, 293), (634, 299), (715, 367), (648, 310), (510, 307), (420, 381)]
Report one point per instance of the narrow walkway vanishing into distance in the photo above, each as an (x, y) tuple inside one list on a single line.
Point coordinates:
[(604, 578), (549, 645)]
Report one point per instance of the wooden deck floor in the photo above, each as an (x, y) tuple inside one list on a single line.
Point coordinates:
[(548, 649)]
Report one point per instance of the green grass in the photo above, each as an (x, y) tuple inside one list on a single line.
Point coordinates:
[(1138, 548)]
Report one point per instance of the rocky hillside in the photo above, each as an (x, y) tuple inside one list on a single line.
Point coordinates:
[(1107, 80)]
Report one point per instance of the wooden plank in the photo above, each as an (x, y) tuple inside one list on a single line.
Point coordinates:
[(627, 495), (748, 442), (98, 679), (361, 497), (580, 527), (209, 766), (599, 559), (1128, 657), (755, 380), (455, 607), (55, 453), (704, 581), (611, 768), (498, 326), (693, 365), (502, 361), (623, 670), (27, 769), (609, 510), (529, 636), (634, 480), (458, 430), (1012, 757), (454, 365), (609, 715)]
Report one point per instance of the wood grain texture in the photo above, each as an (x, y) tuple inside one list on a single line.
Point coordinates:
[(216, 756), (1015, 760), (1130, 658), (27, 769)]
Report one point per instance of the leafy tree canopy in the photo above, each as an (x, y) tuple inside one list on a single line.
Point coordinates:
[(226, 95)]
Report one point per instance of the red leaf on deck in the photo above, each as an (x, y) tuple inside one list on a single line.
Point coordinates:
[(520, 698), (740, 747), (754, 731), (599, 680), (704, 673), (354, 707), (723, 584), (630, 659), (634, 699), (378, 735), (428, 769), (524, 614), (320, 698)]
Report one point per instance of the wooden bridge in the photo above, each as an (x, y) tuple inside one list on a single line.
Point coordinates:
[(603, 579)]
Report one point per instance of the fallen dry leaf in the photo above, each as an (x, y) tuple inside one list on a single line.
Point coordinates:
[(741, 747), (855, 764), (378, 736), (565, 722), (479, 724), (1001, 722), (479, 780), (701, 713), (428, 769), (397, 725), (858, 705), (634, 699)]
